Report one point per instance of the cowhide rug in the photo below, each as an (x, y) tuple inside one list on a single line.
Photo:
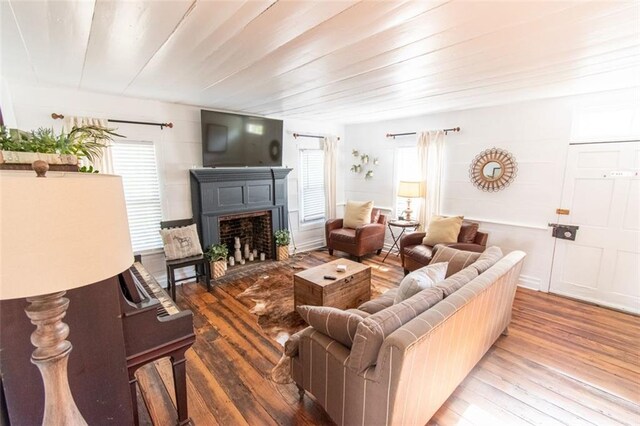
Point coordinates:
[(272, 294)]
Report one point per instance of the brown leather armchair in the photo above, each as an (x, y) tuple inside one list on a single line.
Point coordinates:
[(357, 242), (415, 255)]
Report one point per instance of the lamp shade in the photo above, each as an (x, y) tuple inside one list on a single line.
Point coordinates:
[(408, 189), (60, 232)]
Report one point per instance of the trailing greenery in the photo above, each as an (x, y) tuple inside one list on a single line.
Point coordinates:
[(90, 169), (282, 237), (83, 142), (217, 252)]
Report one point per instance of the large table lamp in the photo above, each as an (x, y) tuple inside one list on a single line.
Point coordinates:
[(408, 190), (57, 233)]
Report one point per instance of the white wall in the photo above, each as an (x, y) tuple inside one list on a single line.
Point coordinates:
[(537, 133), (178, 149)]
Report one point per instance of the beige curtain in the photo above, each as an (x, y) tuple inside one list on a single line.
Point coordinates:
[(105, 163), (330, 148), (431, 156)]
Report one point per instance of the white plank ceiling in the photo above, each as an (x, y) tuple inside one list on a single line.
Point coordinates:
[(340, 61)]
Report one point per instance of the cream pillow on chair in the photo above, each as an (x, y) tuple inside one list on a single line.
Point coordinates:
[(442, 230), (357, 213)]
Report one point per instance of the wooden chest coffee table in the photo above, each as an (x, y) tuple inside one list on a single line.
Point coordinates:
[(349, 290)]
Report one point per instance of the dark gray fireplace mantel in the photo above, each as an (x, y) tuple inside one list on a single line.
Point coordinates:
[(217, 192)]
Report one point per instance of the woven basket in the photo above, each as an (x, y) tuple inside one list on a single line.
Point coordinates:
[(218, 268), (283, 252)]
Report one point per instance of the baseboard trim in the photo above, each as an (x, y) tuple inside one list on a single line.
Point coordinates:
[(309, 245), (529, 282)]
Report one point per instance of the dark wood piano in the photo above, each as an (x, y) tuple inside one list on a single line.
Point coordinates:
[(154, 327)]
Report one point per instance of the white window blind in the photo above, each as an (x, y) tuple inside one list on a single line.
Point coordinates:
[(312, 203), (135, 161), (408, 167)]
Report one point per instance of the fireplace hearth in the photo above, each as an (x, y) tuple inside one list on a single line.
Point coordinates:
[(252, 228)]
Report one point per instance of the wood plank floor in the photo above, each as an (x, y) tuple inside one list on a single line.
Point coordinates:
[(564, 362)]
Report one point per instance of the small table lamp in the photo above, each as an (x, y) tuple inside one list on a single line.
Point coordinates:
[(408, 190), (58, 233)]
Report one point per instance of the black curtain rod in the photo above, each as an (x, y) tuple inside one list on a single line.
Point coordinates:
[(393, 135), (56, 116), (298, 135)]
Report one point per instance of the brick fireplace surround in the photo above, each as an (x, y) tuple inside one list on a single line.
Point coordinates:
[(252, 228)]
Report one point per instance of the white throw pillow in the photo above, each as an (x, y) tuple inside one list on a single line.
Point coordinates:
[(357, 213), (420, 279), (181, 242)]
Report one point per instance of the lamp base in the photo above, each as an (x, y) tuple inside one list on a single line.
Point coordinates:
[(408, 211), (51, 356)]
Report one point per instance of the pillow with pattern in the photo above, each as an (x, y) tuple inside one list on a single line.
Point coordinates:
[(181, 242)]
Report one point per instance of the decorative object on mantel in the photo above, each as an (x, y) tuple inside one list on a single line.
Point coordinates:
[(364, 161), (217, 255), (65, 260), (282, 244), (493, 170), (18, 148)]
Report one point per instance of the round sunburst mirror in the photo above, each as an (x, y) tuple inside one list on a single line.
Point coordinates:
[(493, 169)]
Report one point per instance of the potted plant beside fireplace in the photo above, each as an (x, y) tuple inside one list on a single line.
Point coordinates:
[(282, 244), (217, 255)]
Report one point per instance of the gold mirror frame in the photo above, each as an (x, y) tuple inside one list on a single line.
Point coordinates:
[(508, 165)]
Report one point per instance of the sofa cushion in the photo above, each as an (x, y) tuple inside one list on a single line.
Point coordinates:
[(468, 232), (442, 230), (458, 259), (357, 213), (373, 330), (456, 281), (379, 303), (487, 259), (344, 235), (420, 279), (335, 323), (420, 253)]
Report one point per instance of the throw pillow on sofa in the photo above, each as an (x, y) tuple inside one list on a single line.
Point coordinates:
[(442, 230), (357, 213), (487, 259), (458, 259), (335, 323), (420, 279), (458, 280), (374, 329)]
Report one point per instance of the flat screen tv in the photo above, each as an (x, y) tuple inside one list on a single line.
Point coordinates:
[(233, 140)]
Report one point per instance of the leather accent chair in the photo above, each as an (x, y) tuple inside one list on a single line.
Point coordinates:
[(357, 242), (415, 255)]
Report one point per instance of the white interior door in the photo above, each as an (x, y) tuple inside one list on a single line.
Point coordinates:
[(602, 192)]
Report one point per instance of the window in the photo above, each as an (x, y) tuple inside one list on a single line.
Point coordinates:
[(408, 169), (135, 161), (312, 203)]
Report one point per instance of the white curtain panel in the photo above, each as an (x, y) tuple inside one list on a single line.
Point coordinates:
[(431, 156), (330, 147), (105, 163)]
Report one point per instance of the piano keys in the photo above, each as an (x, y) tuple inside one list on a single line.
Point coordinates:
[(154, 327)]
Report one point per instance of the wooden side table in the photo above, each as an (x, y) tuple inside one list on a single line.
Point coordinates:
[(403, 225), (350, 289)]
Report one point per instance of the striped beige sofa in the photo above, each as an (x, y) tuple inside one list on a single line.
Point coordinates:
[(419, 365)]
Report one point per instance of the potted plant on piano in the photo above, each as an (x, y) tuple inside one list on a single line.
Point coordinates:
[(282, 244), (217, 255)]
